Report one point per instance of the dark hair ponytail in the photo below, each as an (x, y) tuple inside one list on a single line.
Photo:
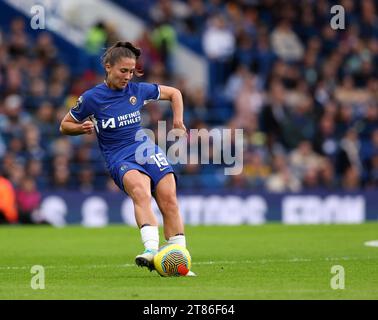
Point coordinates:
[(119, 50), (128, 45)]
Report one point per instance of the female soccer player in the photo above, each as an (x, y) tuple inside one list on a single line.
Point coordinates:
[(112, 109)]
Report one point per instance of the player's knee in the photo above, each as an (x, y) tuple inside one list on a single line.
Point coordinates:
[(169, 204), (140, 194)]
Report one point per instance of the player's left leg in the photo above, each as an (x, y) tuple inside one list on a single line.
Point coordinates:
[(165, 196)]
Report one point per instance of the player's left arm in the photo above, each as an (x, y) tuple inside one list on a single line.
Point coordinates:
[(174, 95)]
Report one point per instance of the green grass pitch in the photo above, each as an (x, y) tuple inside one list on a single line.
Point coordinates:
[(271, 261)]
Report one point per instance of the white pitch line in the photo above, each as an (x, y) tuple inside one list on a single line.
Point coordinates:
[(226, 262), (372, 243)]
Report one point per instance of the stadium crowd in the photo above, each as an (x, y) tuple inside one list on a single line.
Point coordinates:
[(305, 94)]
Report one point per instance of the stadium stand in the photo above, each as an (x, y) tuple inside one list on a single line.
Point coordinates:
[(305, 94)]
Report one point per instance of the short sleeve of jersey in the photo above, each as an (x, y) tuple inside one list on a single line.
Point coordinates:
[(81, 110), (149, 92)]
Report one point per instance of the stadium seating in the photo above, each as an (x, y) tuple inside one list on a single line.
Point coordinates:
[(322, 89)]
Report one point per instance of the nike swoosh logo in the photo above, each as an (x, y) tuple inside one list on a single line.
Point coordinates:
[(162, 169)]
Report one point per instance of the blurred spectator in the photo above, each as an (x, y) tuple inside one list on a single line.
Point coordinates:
[(28, 200), (255, 170), (45, 49), (151, 55), (33, 147), (197, 106), (195, 22), (36, 95), (18, 39), (164, 39), (311, 179), (8, 206), (17, 173), (372, 182), (370, 123), (286, 43), (303, 160), (61, 179), (349, 154), (13, 119), (86, 180), (250, 98), (100, 36), (34, 169), (219, 46), (351, 179), (236, 81), (348, 93), (46, 123), (167, 10), (96, 38), (282, 179), (327, 176), (275, 117), (325, 141)]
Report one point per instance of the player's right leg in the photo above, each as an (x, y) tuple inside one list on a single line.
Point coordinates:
[(138, 187)]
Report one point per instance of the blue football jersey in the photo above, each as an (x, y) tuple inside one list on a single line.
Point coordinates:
[(116, 115)]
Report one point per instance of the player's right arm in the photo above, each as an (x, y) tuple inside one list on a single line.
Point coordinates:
[(71, 127), (76, 120)]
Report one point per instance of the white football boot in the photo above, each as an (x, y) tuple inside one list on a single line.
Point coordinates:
[(146, 259)]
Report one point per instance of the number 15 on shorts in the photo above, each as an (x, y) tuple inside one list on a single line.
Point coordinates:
[(159, 159)]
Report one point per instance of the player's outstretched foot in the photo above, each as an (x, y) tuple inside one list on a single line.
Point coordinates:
[(190, 274), (146, 259)]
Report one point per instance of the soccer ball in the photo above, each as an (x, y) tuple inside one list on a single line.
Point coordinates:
[(172, 260)]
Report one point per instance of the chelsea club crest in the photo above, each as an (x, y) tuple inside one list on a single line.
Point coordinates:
[(133, 100)]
